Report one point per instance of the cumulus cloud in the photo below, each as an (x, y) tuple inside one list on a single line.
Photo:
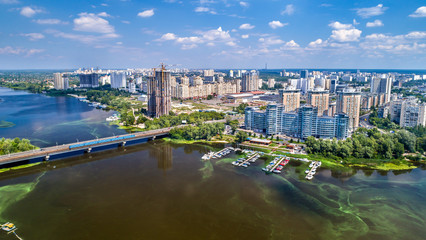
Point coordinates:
[(89, 22), (371, 11), (246, 26), (338, 25), (376, 23), (29, 11), (33, 36), (346, 35), (245, 36), (289, 10), (208, 37), (420, 12), (291, 44), (277, 24), (87, 39), (104, 14), (168, 37), (398, 44), (146, 13), (317, 43), (51, 21)]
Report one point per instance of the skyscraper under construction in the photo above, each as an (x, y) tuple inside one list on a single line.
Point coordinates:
[(159, 93)]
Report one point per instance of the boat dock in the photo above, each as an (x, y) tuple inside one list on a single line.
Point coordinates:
[(10, 228), (276, 165), (312, 171), (223, 152), (246, 162)]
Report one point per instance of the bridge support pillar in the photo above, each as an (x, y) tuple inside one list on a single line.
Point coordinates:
[(46, 158), (153, 138), (89, 150), (123, 144)]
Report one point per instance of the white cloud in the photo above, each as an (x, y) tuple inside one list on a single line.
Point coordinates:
[(420, 12), (187, 40), (19, 51), (245, 36), (50, 21), (416, 35), (168, 37), (246, 26), (346, 35), (231, 44), (217, 35), (33, 36), (89, 22), (188, 46), (291, 44), (29, 12), (9, 1), (376, 23), (338, 25), (244, 4), (125, 22), (371, 11), (202, 9), (271, 41), (277, 24), (317, 43), (146, 13), (289, 10), (87, 39), (104, 14)]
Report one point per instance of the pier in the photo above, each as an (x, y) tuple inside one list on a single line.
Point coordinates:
[(311, 172), (246, 162), (276, 165)]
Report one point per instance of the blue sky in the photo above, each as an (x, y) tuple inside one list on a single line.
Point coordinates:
[(44, 34)]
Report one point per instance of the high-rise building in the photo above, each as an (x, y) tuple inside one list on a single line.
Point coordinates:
[(271, 83), (349, 102), (333, 85), (302, 124), (60, 81), (304, 74), (159, 93), (382, 84), (412, 114), (319, 98), (231, 73), (208, 73), (290, 98), (90, 80), (118, 80), (250, 81)]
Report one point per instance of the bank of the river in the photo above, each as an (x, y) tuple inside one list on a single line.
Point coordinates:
[(200, 141)]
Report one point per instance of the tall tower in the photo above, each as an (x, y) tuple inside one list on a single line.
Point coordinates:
[(319, 98), (250, 81), (290, 98), (349, 102), (159, 93)]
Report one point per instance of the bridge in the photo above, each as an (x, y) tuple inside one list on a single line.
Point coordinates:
[(79, 148)]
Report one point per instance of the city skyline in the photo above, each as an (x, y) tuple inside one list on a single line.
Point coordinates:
[(213, 34)]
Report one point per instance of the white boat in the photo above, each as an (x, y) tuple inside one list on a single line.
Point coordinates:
[(276, 171), (307, 171), (318, 164), (309, 177), (312, 164)]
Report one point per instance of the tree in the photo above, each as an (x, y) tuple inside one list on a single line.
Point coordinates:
[(408, 139), (241, 136)]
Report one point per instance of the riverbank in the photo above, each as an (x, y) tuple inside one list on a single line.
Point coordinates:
[(199, 141)]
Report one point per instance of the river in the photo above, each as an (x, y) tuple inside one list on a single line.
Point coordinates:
[(159, 190)]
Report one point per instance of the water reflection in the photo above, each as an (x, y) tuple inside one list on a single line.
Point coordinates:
[(164, 155)]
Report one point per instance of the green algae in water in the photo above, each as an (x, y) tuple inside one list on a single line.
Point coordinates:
[(6, 124), (11, 194)]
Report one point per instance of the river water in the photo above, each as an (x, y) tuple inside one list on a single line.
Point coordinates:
[(159, 190), (48, 121)]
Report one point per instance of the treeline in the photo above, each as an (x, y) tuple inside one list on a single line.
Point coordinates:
[(383, 123), (420, 133), (175, 120), (32, 87), (198, 132), (8, 146), (365, 143)]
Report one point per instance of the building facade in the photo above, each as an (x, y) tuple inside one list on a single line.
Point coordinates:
[(349, 102), (60, 81), (303, 123), (320, 99), (90, 80), (250, 81), (290, 98), (159, 93)]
